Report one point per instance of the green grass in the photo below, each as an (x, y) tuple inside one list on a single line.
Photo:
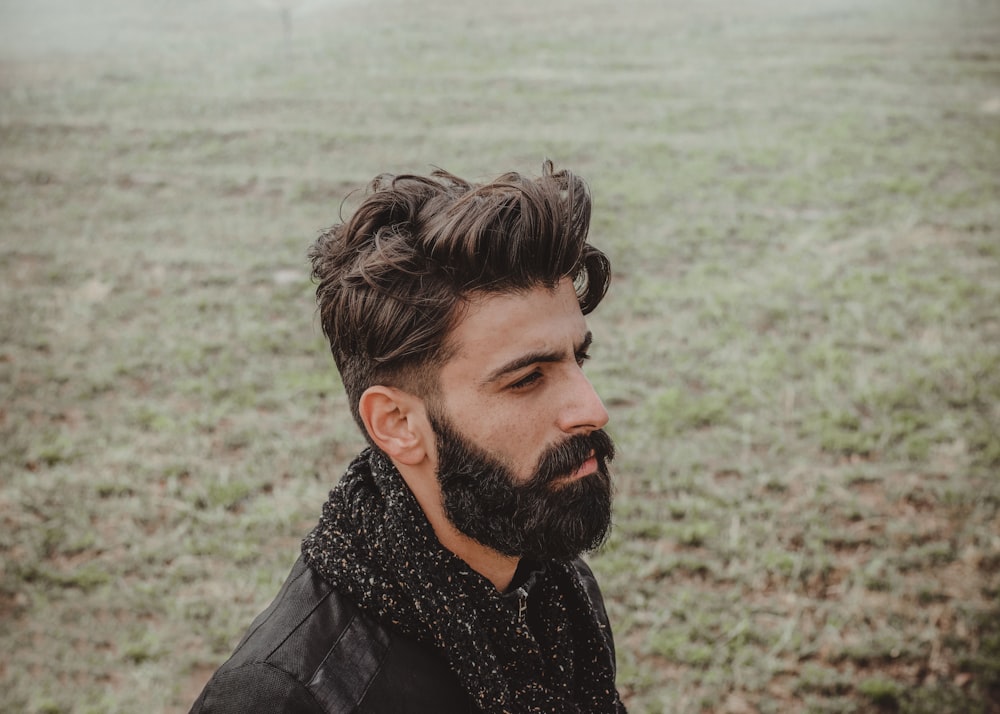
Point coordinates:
[(800, 352)]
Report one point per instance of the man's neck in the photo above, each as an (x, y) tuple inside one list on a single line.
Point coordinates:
[(499, 569)]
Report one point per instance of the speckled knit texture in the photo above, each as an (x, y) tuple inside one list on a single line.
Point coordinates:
[(374, 544)]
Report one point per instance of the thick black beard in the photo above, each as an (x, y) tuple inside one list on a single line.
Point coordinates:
[(540, 518)]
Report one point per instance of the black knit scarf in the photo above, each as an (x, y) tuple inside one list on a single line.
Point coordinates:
[(374, 544)]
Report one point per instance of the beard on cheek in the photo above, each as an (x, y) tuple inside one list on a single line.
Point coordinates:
[(541, 518)]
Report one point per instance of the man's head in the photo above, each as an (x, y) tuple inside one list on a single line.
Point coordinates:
[(395, 278), (455, 313)]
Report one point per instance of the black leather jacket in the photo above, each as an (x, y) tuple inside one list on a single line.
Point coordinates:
[(313, 652)]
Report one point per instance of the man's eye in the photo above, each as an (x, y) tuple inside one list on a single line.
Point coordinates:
[(527, 381), (582, 357)]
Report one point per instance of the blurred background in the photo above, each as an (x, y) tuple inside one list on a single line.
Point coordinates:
[(800, 349)]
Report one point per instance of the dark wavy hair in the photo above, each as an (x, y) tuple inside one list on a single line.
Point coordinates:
[(394, 278)]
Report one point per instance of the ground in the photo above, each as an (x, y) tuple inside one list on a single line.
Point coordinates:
[(800, 350)]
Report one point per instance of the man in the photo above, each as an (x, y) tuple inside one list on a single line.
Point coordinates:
[(444, 574)]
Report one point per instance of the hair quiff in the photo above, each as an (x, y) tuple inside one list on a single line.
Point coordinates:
[(392, 279)]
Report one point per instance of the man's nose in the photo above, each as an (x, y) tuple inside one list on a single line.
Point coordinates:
[(583, 410)]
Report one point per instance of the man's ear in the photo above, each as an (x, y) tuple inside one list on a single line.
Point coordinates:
[(394, 420)]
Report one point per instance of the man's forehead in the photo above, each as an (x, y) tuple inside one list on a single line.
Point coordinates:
[(497, 328)]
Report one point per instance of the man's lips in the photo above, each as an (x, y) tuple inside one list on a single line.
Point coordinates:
[(587, 468)]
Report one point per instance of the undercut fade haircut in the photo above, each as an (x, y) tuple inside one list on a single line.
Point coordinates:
[(394, 278)]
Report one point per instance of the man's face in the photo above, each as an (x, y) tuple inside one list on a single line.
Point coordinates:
[(521, 457)]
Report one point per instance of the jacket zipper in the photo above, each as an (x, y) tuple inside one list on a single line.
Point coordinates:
[(522, 605)]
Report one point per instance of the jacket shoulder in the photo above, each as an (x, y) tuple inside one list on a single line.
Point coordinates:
[(312, 650)]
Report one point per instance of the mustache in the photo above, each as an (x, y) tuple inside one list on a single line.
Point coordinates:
[(564, 458)]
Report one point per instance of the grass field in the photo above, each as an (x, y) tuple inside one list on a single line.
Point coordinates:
[(800, 351)]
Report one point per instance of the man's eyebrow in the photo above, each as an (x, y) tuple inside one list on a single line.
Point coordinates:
[(544, 356)]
